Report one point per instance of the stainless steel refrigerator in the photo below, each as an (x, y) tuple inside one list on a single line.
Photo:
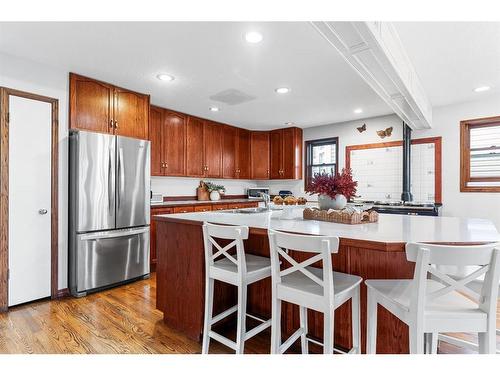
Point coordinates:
[(109, 210)]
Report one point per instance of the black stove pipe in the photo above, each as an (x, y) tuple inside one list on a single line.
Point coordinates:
[(406, 196)]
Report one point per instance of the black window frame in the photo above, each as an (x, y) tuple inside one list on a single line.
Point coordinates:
[(308, 157)]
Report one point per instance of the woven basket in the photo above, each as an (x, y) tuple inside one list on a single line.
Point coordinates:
[(342, 217)]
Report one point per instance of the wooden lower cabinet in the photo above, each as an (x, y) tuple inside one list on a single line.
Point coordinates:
[(152, 235)]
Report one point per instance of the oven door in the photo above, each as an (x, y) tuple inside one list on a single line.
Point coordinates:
[(111, 257)]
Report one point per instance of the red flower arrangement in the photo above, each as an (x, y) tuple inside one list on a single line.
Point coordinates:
[(325, 184)]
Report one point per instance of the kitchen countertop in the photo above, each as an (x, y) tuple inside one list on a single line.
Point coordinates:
[(197, 202), (389, 228)]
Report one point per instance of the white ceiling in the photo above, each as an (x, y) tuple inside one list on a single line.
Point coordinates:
[(453, 58), (207, 58)]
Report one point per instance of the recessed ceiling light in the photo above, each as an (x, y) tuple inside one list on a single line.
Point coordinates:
[(214, 109), (358, 110), (282, 90), (289, 123), (165, 77), (482, 88), (253, 37)]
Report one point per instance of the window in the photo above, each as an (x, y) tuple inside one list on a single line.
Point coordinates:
[(321, 157), (480, 155)]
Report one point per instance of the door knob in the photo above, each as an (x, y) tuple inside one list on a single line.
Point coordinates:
[(42, 211)]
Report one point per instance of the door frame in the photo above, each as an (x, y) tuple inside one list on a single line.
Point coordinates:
[(5, 94)]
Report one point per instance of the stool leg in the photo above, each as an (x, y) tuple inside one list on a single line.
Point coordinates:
[(371, 324), (303, 324), (209, 300), (416, 340), (328, 333), (242, 315), (355, 321), (434, 342), (487, 342), (275, 326)]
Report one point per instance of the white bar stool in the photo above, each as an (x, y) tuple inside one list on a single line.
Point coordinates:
[(309, 287), (441, 303), (240, 270), (475, 286)]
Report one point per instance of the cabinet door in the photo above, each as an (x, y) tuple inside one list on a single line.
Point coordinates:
[(152, 233), (243, 154), (259, 143), (174, 141), (131, 114), (229, 140), (194, 147), (290, 154), (155, 136), (213, 149), (276, 154), (91, 104)]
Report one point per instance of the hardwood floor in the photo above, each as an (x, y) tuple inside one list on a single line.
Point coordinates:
[(120, 320)]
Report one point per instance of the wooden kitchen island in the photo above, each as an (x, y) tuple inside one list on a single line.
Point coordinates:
[(372, 251)]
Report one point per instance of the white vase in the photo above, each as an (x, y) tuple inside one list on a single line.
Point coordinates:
[(214, 195), (326, 203)]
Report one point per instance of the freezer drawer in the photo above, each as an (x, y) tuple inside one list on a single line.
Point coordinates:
[(110, 257)]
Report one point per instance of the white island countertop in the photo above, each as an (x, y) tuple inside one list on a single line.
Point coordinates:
[(389, 228)]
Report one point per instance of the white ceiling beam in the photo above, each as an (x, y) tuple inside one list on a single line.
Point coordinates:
[(376, 53)]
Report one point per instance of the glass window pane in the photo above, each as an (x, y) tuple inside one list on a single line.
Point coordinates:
[(329, 169), (324, 154), (485, 164), (484, 137)]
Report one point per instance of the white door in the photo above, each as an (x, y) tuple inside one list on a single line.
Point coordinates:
[(29, 199)]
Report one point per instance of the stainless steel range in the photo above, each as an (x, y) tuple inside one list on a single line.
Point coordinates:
[(109, 210), (404, 208)]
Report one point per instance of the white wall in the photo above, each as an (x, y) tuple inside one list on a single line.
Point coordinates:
[(24, 75), (446, 124), (177, 186)]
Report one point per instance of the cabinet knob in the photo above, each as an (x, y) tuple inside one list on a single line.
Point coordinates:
[(116, 124), (111, 123)]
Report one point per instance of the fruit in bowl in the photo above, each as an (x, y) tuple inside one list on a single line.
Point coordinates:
[(290, 200), (302, 201), (278, 200)]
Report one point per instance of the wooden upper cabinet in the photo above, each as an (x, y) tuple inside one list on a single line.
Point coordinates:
[(243, 153), (156, 138), (286, 153), (259, 144), (174, 141), (212, 135), (229, 153), (131, 114), (276, 152), (101, 107), (194, 147), (91, 104), (292, 153)]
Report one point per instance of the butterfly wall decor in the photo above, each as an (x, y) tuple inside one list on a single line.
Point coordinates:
[(361, 129), (384, 133)]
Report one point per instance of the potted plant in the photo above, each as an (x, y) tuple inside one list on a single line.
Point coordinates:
[(215, 190), (333, 191)]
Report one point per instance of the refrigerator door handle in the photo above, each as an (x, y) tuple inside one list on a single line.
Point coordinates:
[(114, 234), (110, 182), (121, 177)]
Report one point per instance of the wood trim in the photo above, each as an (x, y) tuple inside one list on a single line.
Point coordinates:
[(465, 178), (438, 180), (61, 293), (4, 187), (307, 156)]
